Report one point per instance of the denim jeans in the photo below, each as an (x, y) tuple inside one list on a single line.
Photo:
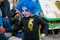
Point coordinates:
[(1, 21), (20, 35), (7, 23), (2, 36)]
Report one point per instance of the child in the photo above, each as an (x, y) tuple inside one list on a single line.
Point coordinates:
[(30, 22)]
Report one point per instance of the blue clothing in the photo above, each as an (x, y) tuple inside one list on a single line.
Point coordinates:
[(7, 23), (20, 35), (3, 37), (1, 21)]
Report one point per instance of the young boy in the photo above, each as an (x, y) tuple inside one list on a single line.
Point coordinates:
[(30, 22)]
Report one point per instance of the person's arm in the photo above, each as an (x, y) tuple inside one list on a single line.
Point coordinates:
[(45, 26)]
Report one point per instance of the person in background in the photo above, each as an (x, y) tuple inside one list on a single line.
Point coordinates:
[(2, 29), (15, 18), (29, 24), (4, 7)]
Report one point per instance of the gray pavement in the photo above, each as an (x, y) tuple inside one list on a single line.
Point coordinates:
[(50, 37)]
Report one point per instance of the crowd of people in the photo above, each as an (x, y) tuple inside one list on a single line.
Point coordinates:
[(22, 21)]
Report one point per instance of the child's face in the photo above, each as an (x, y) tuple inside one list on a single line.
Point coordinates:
[(25, 12)]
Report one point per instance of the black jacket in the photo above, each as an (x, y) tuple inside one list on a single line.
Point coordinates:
[(30, 26)]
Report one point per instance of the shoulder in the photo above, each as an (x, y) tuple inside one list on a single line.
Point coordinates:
[(36, 16)]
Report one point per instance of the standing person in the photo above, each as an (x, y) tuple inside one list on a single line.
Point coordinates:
[(30, 22), (4, 7)]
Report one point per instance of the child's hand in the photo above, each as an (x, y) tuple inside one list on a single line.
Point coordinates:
[(43, 36), (20, 31), (6, 17)]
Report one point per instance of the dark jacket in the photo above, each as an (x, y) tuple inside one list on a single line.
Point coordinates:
[(5, 8), (32, 29)]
